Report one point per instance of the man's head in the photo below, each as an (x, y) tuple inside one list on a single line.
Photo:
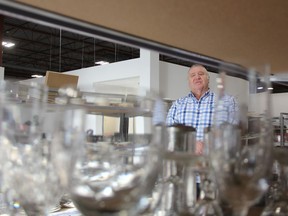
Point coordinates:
[(198, 79)]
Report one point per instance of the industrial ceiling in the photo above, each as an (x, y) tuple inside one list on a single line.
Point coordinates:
[(39, 48)]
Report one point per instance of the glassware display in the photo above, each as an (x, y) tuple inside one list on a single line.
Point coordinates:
[(111, 153), (242, 140)]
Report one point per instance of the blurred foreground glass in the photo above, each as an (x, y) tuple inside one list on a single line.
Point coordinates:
[(23, 108), (276, 197), (33, 134), (118, 170), (242, 138), (208, 201), (182, 168), (179, 172)]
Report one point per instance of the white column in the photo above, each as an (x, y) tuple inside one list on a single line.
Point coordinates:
[(149, 79), (149, 76)]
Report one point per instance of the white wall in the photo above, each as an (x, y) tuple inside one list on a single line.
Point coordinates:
[(279, 104), (114, 71), (173, 80)]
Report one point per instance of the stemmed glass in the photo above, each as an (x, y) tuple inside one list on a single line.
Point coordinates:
[(22, 118), (117, 174), (182, 167), (179, 171), (276, 197), (278, 193), (208, 203), (30, 133), (242, 139), (65, 132)]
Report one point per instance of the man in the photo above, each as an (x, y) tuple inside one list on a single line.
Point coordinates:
[(197, 108)]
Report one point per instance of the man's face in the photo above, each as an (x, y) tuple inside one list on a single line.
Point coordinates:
[(198, 79)]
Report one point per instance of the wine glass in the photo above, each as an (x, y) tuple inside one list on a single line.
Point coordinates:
[(22, 118), (276, 196), (242, 139), (278, 193), (9, 91), (65, 132), (44, 155), (179, 172), (207, 203), (118, 174)]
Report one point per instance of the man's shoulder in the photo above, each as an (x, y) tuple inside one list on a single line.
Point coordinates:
[(183, 99)]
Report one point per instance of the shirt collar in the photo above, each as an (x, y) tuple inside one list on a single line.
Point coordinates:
[(208, 92)]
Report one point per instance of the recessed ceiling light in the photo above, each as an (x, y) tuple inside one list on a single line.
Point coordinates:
[(101, 62), (7, 44), (36, 76)]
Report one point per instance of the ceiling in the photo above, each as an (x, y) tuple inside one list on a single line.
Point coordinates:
[(40, 48)]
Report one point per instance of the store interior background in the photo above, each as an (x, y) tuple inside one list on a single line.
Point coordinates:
[(40, 48)]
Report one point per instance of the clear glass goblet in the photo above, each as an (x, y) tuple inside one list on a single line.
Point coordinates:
[(9, 92), (179, 172), (208, 202), (41, 147), (276, 196), (22, 119), (65, 132), (117, 173), (242, 138)]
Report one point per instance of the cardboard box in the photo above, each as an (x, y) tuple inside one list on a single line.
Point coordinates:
[(57, 80)]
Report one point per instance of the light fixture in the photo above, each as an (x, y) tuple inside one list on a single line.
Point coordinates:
[(260, 87), (7, 44), (101, 62), (270, 88), (36, 76)]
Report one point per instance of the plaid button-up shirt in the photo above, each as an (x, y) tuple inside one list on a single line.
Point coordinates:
[(190, 111)]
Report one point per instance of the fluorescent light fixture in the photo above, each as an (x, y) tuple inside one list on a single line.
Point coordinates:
[(36, 76), (270, 88), (101, 62), (260, 87), (7, 44)]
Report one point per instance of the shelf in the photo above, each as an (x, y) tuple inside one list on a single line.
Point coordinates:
[(114, 105), (116, 111)]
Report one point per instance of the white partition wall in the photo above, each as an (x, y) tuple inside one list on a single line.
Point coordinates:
[(279, 104)]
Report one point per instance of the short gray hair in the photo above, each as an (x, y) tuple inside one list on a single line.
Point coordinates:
[(199, 65)]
